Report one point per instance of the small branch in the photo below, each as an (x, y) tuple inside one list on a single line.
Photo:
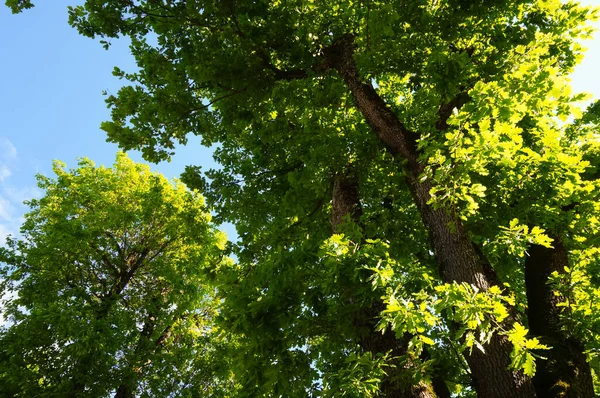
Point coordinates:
[(241, 90), (280, 74), (280, 172), (105, 260), (205, 106), (367, 26), (163, 336), (318, 204), (446, 109), (236, 22), (396, 137), (116, 243)]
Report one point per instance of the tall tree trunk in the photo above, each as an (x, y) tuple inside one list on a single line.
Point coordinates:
[(106, 305), (132, 374), (145, 347), (458, 259), (566, 372), (346, 206)]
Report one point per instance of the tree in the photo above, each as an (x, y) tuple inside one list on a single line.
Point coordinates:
[(419, 168), (105, 289)]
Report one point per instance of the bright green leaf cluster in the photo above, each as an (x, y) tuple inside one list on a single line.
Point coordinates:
[(106, 289)]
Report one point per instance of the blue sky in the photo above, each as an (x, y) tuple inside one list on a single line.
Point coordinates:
[(51, 103)]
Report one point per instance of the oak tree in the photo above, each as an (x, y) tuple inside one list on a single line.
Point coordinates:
[(413, 182)]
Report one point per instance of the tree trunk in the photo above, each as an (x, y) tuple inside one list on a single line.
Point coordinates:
[(458, 259), (346, 206), (345, 200), (132, 373), (106, 305), (124, 391), (566, 372)]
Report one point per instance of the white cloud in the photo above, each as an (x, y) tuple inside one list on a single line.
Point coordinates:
[(8, 152), (6, 210), (8, 157), (18, 195), (11, 196), (10, 209), (4, 172)]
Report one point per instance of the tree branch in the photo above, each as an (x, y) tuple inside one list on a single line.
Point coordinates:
[(446, 109), (456, 255), (397, 138)]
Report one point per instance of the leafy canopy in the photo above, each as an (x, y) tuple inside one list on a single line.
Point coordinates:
[(488, 154), (105, 289)]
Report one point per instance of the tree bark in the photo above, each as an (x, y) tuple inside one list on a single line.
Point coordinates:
[(132, 373), (124, 391), (345, 200), (457, 257), (108, 301), (566, 372), (346, 206)]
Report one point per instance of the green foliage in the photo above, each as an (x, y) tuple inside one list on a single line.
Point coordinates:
[(522, 357), (504, 149), (517, 237), (105, 289), (361, 377), (426, 314), (17, 6)]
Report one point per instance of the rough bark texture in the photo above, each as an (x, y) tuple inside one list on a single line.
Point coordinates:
[(566, 372), (346, 207), (345, 201), (458, 258)]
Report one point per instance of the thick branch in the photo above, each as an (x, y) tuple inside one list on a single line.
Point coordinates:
[(346, 207), (394, 135), (456, 255), (279, 73), (447, 108), (345, 200), (566, 372)]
